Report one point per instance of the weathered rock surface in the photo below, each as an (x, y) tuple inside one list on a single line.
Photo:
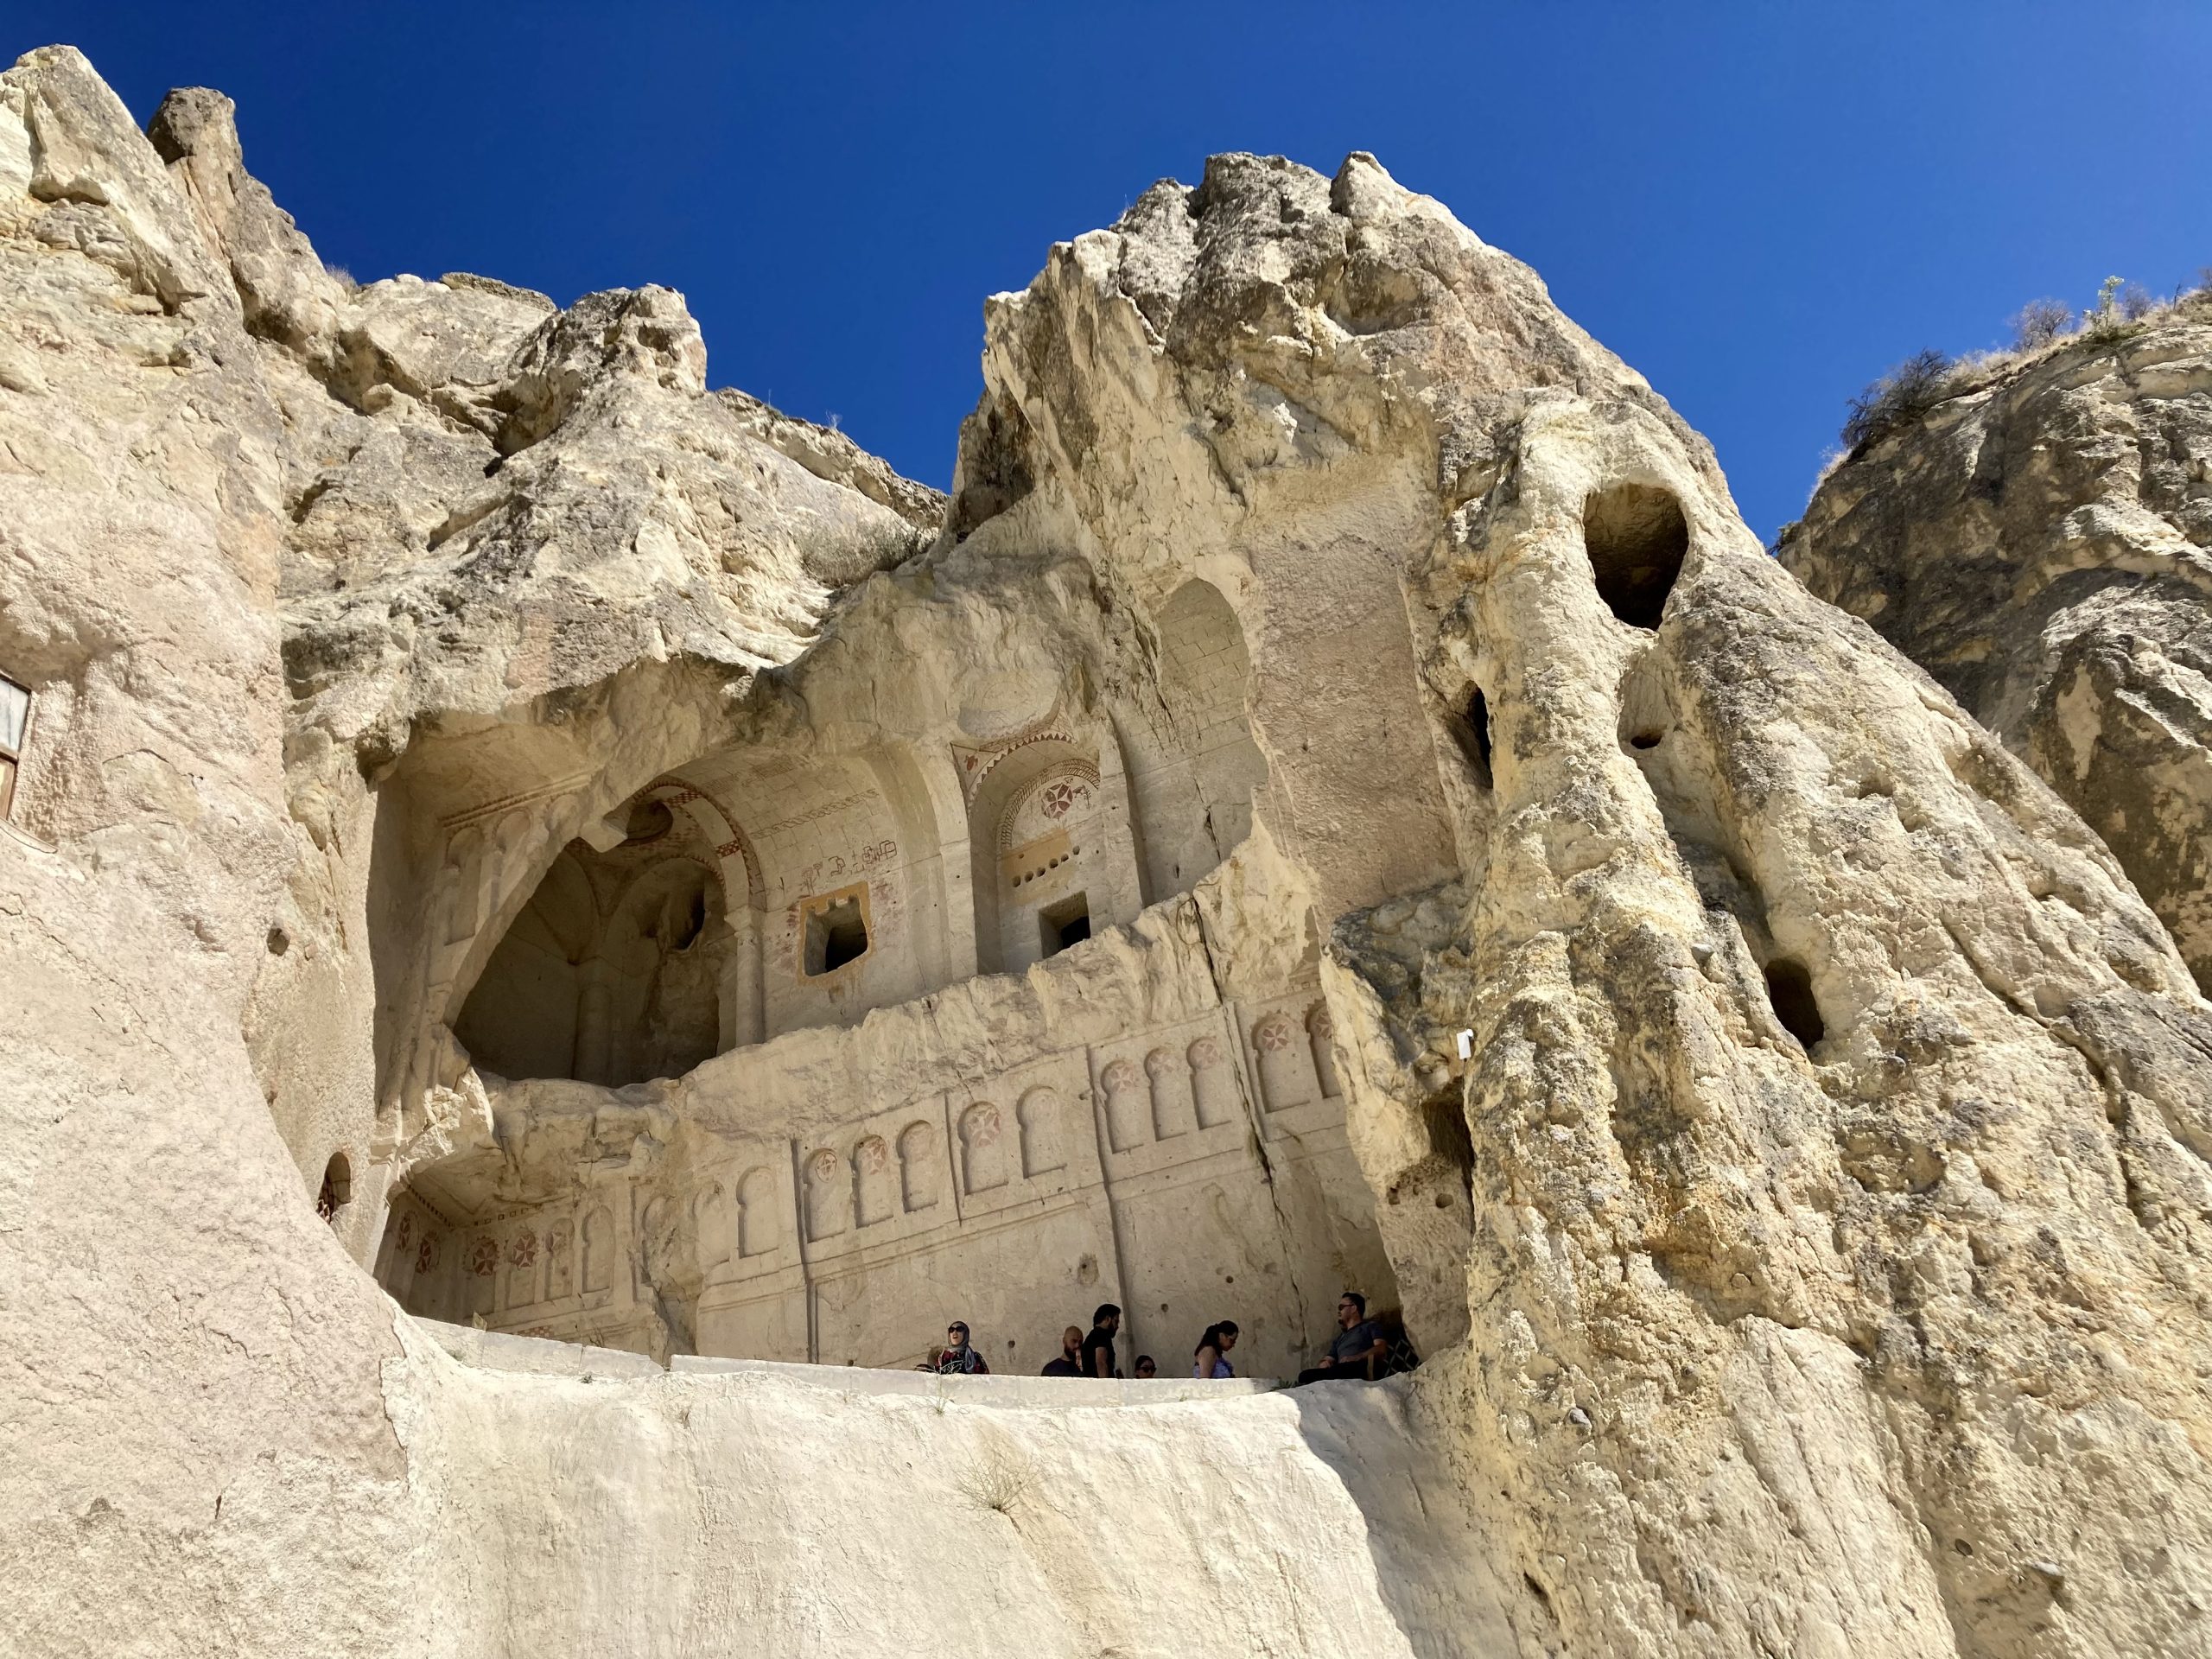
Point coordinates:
[(1697, 1230), (2039, 544), (1808, 1255)]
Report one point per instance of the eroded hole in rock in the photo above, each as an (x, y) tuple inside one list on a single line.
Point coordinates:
[(1644, 740), (337, 1189), (1636, 538), (648, 821), (1445, 1117), (1471, 730), (1790, 988)]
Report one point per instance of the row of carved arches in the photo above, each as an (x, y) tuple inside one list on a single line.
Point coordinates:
[(437, 1269), (1175, 1093), (878, 1179)]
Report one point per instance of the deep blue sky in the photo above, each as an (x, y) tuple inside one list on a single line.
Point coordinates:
[(1759, 206)]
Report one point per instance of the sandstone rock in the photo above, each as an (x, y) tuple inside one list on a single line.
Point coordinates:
[(582, 829), (284, 292), (1778, 964), (2038, 543)]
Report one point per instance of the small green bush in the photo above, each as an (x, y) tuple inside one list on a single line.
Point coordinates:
[(1902, 396)]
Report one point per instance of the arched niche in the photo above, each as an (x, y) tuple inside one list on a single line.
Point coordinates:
[(1193, 784), (1043, 868), (614, 971)]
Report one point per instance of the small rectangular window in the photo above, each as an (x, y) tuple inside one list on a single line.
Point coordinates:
[(835, 936), (15, 726), (1064, 924)]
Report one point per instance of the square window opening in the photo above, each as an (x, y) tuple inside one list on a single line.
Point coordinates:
[(835, 936), (1064, 924)]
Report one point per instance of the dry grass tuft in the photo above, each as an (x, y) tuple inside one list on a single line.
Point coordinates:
[(998, 1483)]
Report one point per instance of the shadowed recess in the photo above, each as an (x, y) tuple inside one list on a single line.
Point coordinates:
[(1635, 536)]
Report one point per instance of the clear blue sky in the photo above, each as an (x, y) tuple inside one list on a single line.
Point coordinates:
[(1759, 206)]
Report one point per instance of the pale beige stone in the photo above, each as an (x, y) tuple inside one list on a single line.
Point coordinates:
[(640, 846), (2038, 543)]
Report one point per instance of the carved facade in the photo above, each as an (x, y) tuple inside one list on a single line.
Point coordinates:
[(724, 937)]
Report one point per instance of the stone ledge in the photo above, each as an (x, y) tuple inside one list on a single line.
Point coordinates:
[(495, 1351), (993, 1390)]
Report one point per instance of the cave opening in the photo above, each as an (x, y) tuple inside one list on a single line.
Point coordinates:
[(337, 1189), (1470, 731), (612, 971), (1636, 538), (1064, 924), (836, 934), (1790, 988)]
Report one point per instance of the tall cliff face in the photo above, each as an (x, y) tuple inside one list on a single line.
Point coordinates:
[(1820, 1055), (1808, 1251), (2039, 543)]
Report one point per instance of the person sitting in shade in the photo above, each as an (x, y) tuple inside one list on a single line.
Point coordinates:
[(1070, 1363), (959, 1357), (1210, 1359), (1358, 1349), (1098, 1346), (1145, 1366)]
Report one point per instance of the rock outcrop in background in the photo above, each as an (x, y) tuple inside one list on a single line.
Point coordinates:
[(1809, 1255), (2039, 543)]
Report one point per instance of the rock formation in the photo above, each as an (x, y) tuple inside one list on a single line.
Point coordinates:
[(654, 878), (2038, 543)]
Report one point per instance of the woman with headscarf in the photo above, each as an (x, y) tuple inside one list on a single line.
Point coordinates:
[(958, 1357)]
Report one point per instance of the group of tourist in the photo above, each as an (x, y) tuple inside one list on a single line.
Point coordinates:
[(1360, 1348)]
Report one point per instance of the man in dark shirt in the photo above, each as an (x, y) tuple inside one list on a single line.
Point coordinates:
[(1098, 1346), (1069, 1361), (1358, 1349)]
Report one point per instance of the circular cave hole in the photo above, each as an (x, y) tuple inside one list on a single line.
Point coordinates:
[(1636, 538), (1790, 988), (1645, 739)]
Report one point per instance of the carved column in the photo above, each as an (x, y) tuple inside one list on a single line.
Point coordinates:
[(1124, 895), (595, 1055), (743, 1019)]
